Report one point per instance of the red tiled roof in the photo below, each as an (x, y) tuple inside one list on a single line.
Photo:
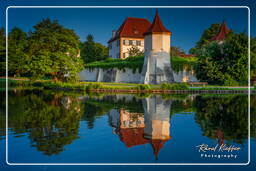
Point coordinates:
[(132, 27), (224, 30), (132, 136), (186, 55), (135, 136), (157, 26)]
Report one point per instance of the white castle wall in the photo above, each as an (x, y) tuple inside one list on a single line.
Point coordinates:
[(128, 76), (88, 75)]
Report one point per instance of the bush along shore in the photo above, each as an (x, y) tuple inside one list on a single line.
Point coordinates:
[(123, 87)]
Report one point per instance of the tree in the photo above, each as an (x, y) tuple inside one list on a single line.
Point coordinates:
[(253, 58), (17, 43), (135, 51), (224, 63), (206, 37), (176, 51), (50, 120), (2, 52), (92, 51), (53, 50), (227, 114)]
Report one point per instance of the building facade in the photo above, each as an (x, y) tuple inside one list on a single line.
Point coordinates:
[(129, 34)]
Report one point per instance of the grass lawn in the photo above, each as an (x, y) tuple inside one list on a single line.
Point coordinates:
[(88, 86)]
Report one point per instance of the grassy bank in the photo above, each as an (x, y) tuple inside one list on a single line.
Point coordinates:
[(121, 87)]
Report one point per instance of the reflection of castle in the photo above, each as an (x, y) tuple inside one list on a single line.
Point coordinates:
[(152, 127)]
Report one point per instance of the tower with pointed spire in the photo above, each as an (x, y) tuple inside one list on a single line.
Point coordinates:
[(222, 34), (157, 67)]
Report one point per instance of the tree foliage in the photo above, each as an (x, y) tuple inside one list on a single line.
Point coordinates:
[(2, 52), (50, 119), (206, 37), (135, 51), (224, 63), (49, 50), (226, 114), (53, 50), (92, 51), (176, 51), (253, 58), (17, 58)]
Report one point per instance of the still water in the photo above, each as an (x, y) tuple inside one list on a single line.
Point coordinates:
[(67, 127)]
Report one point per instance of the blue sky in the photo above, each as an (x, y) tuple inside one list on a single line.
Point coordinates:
[(186, 25)]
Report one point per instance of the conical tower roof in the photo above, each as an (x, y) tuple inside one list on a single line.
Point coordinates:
[(157, 26), (224, 30), (157, 146)]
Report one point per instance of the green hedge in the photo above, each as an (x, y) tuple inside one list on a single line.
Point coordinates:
[(179, 63), (134, 63)]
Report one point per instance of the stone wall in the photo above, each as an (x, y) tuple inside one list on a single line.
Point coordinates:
[(110, 75), (128, 76)]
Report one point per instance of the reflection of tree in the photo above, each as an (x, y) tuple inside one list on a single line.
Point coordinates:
[(253, 116), (96, 107), (92, 110), (182, 106), (2, 114), (228, 114), (51, 121)]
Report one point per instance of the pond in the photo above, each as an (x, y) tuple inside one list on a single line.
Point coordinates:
[(70, 127)]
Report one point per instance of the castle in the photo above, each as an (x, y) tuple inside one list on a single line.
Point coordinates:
[(154, 39)]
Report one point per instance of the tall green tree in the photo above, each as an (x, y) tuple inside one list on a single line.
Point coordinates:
[(253, 58), (17, 43), (92, 51), (2, 52), (53, 50), (206, 37), (224, 63)]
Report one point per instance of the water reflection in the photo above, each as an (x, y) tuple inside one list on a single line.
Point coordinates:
[(52, 120), (223, 118), (152, 126)]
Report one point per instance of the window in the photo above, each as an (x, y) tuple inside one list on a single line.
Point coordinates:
[(142, 43), (130, 42), (123, 42), (138, 43), (118, 43), (110, 45), (124, 55), (134, 42), (126, 42)]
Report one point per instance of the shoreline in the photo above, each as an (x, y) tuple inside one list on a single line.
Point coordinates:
[(155, 91), (106, 87)]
